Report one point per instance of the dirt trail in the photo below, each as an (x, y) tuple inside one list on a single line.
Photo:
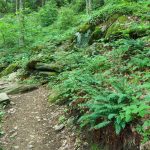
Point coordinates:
[(28, 124)]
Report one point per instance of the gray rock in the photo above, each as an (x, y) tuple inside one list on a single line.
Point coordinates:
[(13, 135), (145, 146), (16, 147), (30, 146), (70, 121), (4, 98), (59, 127), (18, 88), (12, 77), (11, 111), (85, 144)]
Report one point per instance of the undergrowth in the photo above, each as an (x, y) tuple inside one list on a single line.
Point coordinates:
[(105, 83), (109, 89)]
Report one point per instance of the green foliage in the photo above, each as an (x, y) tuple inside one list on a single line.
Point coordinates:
[(96, 85), (48, 13), (118, 108), (144, 130), (105, 84), (121, 8), (95, 147), (66, 18), (8, 25), (79, 5)]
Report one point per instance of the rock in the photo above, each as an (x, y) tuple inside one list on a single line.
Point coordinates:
[(30, 146), (85, 144), (12, 77), (145, 146), (2, 83), (4, 98), (15, 128), (12, 111), (18, 88), (3, 66), (70, 121), (16, 147), (13, 135), (12, 103), (64, 145), (116, 26), (96, 34), (59, 127), (11, 68), (54, 95)]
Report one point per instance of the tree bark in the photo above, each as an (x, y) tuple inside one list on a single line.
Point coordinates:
[(88, 6), (21, 23), (16, 6)]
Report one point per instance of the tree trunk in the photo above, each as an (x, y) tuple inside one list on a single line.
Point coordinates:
[(21, 23), (88, 6), (16, 6)]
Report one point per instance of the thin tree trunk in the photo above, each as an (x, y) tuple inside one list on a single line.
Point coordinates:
[(87, 9), (21, 23), (16, 6), (88, 6), (43, 2)]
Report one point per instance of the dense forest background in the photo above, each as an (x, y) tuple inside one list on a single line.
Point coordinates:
[(95, 56)]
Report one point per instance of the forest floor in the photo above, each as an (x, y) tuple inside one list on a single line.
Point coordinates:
[(29, 124)]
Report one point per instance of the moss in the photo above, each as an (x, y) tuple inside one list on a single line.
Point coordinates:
[(97, 34), (139, 32), (11, 68), (3, 66), (84, 28), (54, 96), (38, 48), (117, 28), (104, 14), (47, 74)]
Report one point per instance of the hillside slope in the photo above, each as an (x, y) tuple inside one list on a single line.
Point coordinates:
[(96, 64)]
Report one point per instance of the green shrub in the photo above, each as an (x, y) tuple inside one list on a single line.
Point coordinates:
[(48, 13), (9, 25), (100, 96), (66, 18), (79, 5)]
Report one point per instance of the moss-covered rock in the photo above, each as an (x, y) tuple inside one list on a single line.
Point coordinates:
[(3, 66), (47, 74), (138, 32), (97, 34), (117, 28), (11, 68), (54, 96), (84, 28)]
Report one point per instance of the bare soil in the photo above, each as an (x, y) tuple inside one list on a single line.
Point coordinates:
[(29, 124)]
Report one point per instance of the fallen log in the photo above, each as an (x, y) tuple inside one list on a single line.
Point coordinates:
[(48, 67), (47, 74), (38, 66)]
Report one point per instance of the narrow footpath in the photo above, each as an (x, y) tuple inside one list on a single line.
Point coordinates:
[(29, 122)]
